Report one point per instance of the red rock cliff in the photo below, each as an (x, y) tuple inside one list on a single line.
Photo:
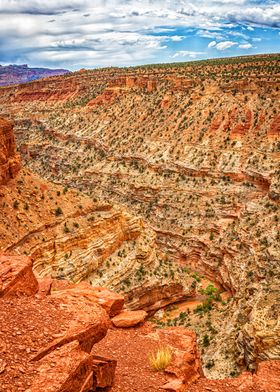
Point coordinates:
[(9, 159)]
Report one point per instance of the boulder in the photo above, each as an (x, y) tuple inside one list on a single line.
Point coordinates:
[(104, 371), (16, 276), (88, 325), (107, 299), (129, 318), (156, 296), (70, 369)]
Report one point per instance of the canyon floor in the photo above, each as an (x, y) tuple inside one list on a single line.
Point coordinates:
[(157, 184)]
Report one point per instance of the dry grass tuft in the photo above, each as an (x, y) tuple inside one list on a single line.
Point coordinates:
[(161, 358)]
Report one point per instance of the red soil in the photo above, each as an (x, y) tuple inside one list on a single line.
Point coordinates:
[(130, 348)]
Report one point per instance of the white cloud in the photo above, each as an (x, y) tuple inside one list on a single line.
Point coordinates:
[(216, 35), (176, 38), (245, 46), (238, 34), (187, 53), (265, 15), (225, 45), (212, 44)]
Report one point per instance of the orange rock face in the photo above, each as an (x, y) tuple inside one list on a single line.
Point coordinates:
[(9, 159), (241, 129), (107, 97)]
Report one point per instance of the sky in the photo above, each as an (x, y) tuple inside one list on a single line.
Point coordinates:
[(76, 34)]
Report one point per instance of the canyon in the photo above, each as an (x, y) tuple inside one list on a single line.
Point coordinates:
[(156, 182)]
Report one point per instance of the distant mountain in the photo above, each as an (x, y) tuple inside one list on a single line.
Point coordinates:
[(16, 74)]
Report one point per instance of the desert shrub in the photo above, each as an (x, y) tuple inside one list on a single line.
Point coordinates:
[(58, 211), (206, 340), (15, 204), (160, 359)]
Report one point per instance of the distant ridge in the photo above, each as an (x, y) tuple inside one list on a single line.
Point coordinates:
[(17, 74)]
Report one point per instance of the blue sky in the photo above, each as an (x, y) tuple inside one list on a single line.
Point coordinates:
[(78, 34)]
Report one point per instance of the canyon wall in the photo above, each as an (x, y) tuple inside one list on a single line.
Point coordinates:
[(71, 237), (194, 150)]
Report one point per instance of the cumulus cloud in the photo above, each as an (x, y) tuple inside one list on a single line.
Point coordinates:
[(212, 44), (266, 15), (187, 53), (225, 45)]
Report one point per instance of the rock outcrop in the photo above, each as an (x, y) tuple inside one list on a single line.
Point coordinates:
[(159, 295), (185, 367), (9, 159), (61, 356)]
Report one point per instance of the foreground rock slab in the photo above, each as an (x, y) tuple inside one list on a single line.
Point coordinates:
[(70, 369), (47, 340)]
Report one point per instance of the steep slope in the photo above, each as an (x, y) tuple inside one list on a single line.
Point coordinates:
[(17, 74), (194, 149)]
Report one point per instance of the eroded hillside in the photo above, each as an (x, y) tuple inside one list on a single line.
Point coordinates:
[(192, 148)]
